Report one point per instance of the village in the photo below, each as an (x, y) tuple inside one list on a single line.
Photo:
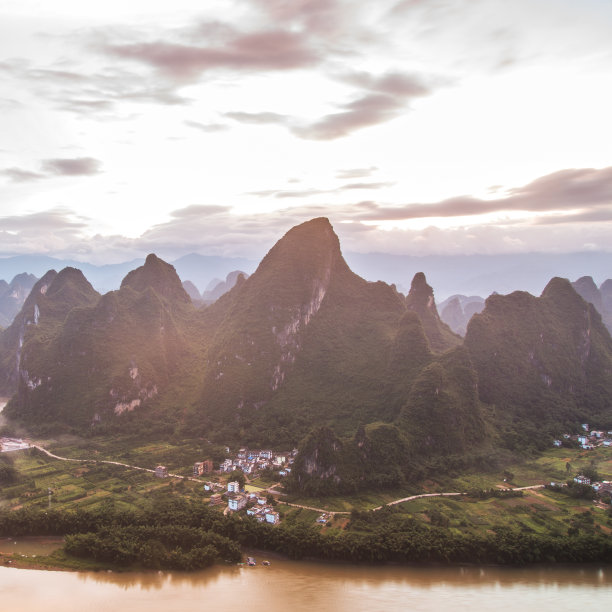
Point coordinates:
[(589, 440), (250, 464)]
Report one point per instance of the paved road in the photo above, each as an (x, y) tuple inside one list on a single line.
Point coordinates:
[(332, 513), (127, 465), (404, 499)]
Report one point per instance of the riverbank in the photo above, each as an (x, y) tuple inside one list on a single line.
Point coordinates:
[(43, 553)]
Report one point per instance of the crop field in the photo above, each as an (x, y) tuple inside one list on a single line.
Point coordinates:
[(44, 481), (48, 482)]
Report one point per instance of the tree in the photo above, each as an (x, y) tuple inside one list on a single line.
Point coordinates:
[(239, 477), (8, 473)]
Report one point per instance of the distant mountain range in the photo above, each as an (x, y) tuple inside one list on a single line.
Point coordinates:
[(371, 383), (458, 274), (199, 269), (13, 295)]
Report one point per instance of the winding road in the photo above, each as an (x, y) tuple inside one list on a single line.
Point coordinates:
[(400, 501), (323, 511), (127, 465)]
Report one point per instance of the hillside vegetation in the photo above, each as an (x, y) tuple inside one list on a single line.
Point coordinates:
[(370, 384)]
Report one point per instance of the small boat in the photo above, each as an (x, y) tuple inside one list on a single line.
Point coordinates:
[(251, 561), (265, 563)]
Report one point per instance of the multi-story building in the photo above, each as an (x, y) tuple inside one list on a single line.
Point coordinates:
[(237, 502), (161, 471)]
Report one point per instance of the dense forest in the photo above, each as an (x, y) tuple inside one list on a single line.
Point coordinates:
[(187, 535)]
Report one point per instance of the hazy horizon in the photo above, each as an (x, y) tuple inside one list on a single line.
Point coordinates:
[(417, 127)]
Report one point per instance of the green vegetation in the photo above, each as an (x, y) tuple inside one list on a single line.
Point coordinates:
[(374, 389), (119, 518), (514, 531), (543, 363)]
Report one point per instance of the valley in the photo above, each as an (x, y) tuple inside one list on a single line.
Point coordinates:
[(388, 422)]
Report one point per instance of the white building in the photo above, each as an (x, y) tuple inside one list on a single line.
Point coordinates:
[(233, 487), (237, 502), (272, 517)]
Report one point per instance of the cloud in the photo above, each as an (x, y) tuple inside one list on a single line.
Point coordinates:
[(86, 92), (259, 118), (567, 189), (564, 211), (353, 173), (78, 166), (289, 193), (386, 97), (391, 83), (360, 186), (582, 190), (199, 210), (306, 193), (270, 49), (57, 231), (55, 220), (19, 175), (206, 127)]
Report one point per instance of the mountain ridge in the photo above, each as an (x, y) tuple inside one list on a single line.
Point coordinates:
[(306, 352)]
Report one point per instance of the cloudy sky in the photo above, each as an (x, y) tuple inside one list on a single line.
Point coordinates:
[(416, 126)]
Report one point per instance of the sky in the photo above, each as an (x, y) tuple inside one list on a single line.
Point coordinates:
[(416, 126)]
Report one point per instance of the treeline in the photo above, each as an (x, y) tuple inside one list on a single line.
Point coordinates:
[(181, 534), (577, 490), (159, 547)]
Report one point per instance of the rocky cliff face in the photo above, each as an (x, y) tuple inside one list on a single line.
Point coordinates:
[(99, 356), (421, 300), (600, 297), (294, 333), (549, 357), (267, 315), (43, 313), (13, 296)]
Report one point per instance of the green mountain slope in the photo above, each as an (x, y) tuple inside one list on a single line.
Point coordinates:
[(370, 384), (110, 356), (40, 319), (543, 362), (420, 299), (302, 340)]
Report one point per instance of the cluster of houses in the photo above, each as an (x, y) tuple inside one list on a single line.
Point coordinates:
[(603, 488), (256, 506), (590, 439), (252, 461), (248, 461)]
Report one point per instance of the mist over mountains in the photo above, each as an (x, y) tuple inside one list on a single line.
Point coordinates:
[(478, 275)]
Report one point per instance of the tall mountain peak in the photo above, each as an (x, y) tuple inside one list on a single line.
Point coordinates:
[(308, 246), (585, 287), (159, 276), (421, 300), (70, 279)]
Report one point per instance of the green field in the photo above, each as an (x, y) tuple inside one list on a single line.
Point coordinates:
[(91, 485)]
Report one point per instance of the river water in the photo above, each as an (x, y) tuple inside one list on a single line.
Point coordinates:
[(297, 586), (291, 586)]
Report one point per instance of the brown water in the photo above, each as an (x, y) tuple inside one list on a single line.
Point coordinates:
[(288, 586), (30, 546)]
